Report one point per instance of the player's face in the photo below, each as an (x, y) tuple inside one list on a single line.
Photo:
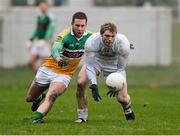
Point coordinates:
[(79, 27), (108, 38), (43, 7)]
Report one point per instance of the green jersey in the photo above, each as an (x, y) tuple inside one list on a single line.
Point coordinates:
[(69, 48), (44, 28)]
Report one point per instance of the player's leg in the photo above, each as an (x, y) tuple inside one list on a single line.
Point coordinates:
[(81, 96), (125, 100), (55, 89), (35, 94)]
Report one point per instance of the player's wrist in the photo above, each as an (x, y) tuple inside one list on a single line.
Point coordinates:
[(93, 86), (31, 39), (58, 59)]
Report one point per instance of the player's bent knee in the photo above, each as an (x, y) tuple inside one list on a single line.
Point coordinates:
[(52, 97), (29, 98), (81, 85)]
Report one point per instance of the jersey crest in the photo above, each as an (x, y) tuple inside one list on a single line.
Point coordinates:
[(106, 51)]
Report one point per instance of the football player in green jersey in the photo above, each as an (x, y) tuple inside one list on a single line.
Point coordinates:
[(57, 70), (39, 43)]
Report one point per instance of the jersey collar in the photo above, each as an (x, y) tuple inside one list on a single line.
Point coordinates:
[(72, 33)]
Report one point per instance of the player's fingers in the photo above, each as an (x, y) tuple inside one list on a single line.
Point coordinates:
[(108, 93), (96, 99), (111, 94)]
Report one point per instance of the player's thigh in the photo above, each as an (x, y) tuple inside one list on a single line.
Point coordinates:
[(59, 83), (124, 91), (55, 89), (39, 84), (123, 95)]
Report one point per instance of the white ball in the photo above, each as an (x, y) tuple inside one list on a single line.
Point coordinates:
[(116, 81)]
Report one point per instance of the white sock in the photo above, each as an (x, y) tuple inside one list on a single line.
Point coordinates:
[(128, 110), (82, 113)]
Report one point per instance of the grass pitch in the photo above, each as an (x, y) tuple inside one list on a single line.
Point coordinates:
[(155, 101)]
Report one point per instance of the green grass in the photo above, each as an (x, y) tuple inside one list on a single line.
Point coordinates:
[(154, 92)]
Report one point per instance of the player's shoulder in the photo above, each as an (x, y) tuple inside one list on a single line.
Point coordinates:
[(51, 15), (89, 32), (63, 34), (122, 44), (121, 37), (92, 43), (94, 37)]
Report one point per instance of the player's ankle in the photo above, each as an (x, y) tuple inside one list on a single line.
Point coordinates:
[(128, 110), (37, 115)]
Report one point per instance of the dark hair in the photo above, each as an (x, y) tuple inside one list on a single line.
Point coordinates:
[(43, 1), (108, 26), (79, 15)]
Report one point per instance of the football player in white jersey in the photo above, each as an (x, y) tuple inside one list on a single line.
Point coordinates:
[(106, 51)]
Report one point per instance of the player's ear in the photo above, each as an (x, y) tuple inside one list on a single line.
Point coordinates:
[(131, 46)]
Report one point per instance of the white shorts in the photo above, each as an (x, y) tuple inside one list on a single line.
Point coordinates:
[(106, 73), (41, 48), (45, 76)]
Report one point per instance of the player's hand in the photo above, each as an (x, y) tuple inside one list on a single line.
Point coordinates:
[(95, 93), (62, 63), (112, 92), (29, 44)]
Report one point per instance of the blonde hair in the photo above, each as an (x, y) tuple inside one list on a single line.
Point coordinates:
[(108, 26)]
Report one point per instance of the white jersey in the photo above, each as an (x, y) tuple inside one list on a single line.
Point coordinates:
[(99, 57)]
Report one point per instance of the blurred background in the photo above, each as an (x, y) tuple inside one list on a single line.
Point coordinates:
[(151, 25)]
